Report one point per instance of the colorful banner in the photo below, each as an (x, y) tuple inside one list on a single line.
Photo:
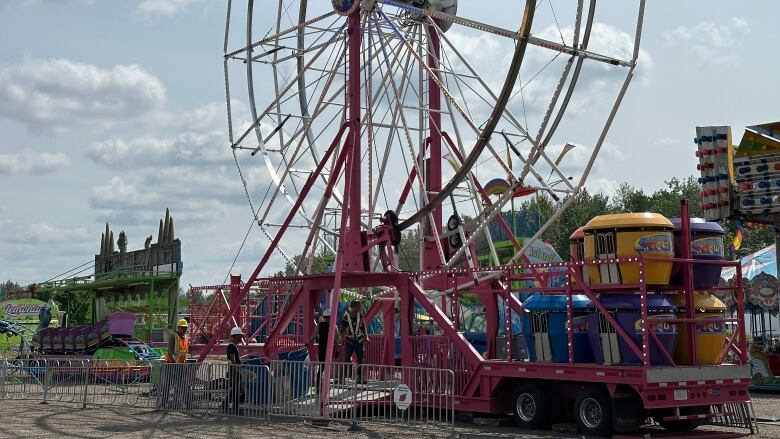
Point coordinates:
[(23, 314)]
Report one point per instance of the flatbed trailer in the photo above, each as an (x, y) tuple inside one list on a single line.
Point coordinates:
[(601, 398)]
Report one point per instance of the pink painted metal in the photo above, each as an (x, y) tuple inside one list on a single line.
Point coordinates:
[(431, 258), (477, 380)]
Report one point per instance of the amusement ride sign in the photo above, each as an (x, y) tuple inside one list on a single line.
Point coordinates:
[(24, 314), (402, 397)]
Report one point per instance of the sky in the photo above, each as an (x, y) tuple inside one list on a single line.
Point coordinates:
[(112, 111)]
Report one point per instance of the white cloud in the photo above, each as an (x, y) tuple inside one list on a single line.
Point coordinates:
[(152, 9), (33, 163), (602, 185), (59, 94), (42, 233), (191, 148), (608, 40), (713, 42), (117, 192)]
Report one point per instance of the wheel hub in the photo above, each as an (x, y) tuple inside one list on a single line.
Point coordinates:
[(449, 7), (345, 7), (590, 413), (526, 407)]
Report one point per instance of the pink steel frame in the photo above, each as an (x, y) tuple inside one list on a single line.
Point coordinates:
[(476, 379)]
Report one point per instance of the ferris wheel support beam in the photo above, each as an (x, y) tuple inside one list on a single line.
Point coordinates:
[(431, 254), (350, 239)]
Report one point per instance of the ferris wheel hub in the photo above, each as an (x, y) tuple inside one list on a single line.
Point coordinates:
[(345, 7), (448, 7)]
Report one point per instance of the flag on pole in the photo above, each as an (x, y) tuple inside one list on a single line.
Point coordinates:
[(737, 242)]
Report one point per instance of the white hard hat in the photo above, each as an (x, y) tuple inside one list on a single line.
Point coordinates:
[(236, 331), (326, 313)]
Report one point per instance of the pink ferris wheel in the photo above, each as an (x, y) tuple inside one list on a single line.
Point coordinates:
[(353, 123)]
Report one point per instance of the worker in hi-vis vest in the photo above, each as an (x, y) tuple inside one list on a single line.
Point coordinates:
[(174, 377), (180, 345)]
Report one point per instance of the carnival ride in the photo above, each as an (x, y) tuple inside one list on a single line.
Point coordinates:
[(109, 339), (740, 184), (761, 300), (144, 281), (32, 333), (380, 122)]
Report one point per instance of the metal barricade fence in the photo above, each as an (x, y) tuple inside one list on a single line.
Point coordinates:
[(119, 383), (214, 389), (366, 393), (66, 381), (296, 390), (407, 395), (79, 382), (24, 379), (184, 387), (735, 414), (240, 390)]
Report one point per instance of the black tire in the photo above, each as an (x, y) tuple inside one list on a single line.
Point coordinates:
[(593, 412), (531, 407)]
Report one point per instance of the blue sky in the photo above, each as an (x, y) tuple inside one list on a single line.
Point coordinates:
[(86, 83)]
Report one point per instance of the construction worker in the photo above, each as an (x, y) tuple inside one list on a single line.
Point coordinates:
[(233, 398), (175, 376), (354, 331), (322, 342), (181, 344)]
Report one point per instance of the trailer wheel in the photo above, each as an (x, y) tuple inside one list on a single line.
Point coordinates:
[(593, 412), (531, 408)]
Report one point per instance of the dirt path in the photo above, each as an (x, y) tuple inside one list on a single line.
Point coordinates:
[(28, 419)]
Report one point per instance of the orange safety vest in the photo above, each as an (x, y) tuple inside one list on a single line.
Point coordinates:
[(180, 350)]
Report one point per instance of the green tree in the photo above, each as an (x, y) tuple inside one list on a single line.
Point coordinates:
[(320, 264), (8, 286), (753, 239), (409, 250), (582, 209)]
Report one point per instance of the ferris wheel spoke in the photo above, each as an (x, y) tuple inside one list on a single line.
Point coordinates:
[(277, 36), (531, 169), (413, 155), (451, 101), (495, 30), (448, 95), (508, 115), (400, 65), (393, 132), (577, 69), (452, 48), (279, 181), (599, 142), (257, 118), (423, 193), (320, 107)]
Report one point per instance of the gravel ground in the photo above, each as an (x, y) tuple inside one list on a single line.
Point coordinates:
[(28, 419)]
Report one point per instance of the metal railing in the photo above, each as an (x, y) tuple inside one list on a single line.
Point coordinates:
[(365, 393), (735, 414), (77, 382)]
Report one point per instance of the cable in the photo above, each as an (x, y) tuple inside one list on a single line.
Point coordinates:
[(66, 272)]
